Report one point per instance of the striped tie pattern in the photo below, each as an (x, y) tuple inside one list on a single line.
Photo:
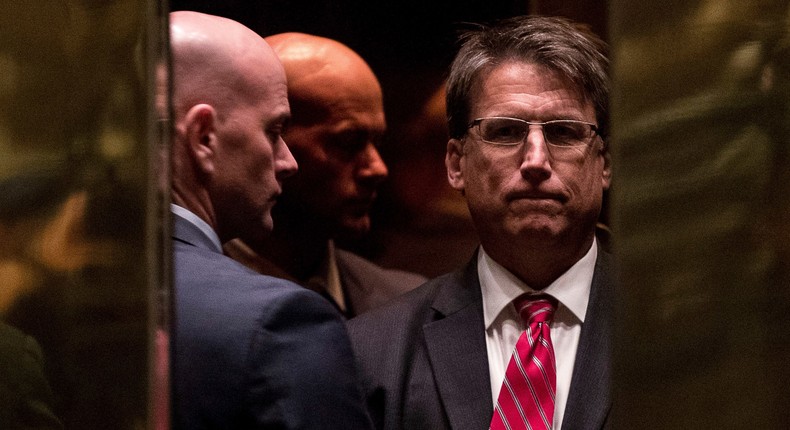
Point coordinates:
[(526, 400)]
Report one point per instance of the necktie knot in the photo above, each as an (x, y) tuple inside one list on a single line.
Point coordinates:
[(536, 308)]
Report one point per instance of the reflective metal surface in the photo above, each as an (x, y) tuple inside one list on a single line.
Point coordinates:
[(79, 226), (700, 208)]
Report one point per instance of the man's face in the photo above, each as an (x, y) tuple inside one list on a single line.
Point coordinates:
[(340, 167), (252, 158), (524, 192)]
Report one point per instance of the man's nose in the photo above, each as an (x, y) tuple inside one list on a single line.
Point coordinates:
[(535, 163), (284, 162), (372, 166)]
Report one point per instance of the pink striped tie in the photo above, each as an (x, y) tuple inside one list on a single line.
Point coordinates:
[(526, 400)]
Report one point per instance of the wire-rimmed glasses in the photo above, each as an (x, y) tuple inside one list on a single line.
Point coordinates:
[(559, 134)]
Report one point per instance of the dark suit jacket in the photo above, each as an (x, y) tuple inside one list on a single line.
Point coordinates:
[(255, 352), (25, 395), (367, 285), (426, 366)]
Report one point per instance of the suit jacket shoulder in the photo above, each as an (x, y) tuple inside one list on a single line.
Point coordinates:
[(368, 285), (245, 348), (423, 357)]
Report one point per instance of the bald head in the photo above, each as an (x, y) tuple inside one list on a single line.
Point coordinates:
[(230, 105), (338, 117), (215, 59), (322, 73)]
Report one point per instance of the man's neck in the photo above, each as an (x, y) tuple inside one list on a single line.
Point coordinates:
[(538, 265)]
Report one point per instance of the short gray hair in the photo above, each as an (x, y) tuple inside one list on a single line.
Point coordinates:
[(555, 43)]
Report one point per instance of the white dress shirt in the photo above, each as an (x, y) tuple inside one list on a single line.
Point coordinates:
[(197, 222), (504, 325)]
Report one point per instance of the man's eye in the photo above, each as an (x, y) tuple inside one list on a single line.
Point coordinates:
[(275, 133), (351, 142), (564, 133), (505, 132)]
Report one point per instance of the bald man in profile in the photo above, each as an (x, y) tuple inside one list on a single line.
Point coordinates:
[(249, 351), (338, 118)]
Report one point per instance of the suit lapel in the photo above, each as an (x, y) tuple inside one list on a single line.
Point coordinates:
[(457, 352), (590, 399)]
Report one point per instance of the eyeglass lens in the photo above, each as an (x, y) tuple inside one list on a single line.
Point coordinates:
[(513, 131)]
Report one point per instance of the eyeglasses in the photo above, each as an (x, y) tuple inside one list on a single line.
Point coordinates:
[(560, 133)]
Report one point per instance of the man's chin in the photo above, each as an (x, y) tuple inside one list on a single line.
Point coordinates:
[(354, 227), (263, 231)]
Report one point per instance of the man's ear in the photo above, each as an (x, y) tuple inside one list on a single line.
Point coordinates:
[(606, 179), (200, 128), (453, 160)]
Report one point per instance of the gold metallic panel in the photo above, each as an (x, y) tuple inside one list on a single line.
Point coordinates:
[(78, 211), (701, 205)]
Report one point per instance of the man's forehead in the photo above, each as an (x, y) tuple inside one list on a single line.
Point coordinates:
[(304, 54), (524, 76), (314, 64), (334, 99)]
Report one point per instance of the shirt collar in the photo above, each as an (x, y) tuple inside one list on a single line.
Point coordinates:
[(197, 222), (327, 279), (500, 287)]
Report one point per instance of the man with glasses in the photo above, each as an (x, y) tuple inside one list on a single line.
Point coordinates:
[(519, 338)]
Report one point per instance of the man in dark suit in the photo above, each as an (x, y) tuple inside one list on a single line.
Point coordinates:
[(338, 118), (249, 351), (523, 332)]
